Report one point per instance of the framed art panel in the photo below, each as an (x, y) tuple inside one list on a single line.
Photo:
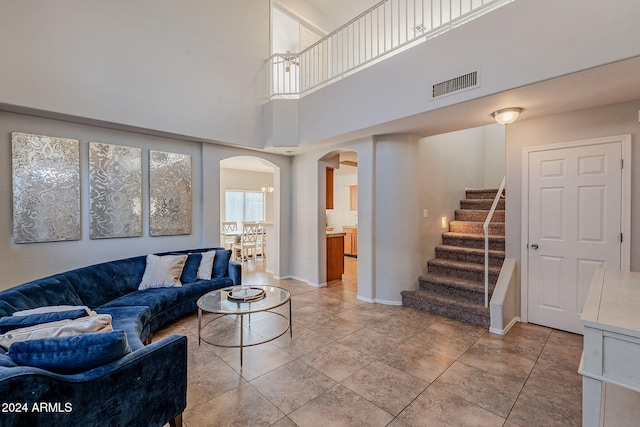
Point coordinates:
[(169, 193), (46, 188), (115, 189)]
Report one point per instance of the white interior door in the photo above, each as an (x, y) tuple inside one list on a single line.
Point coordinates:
[(575, 205)]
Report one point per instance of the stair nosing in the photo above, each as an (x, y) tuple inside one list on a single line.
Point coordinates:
[(471, 235), (471, 251), (452, 301), (447, 280), (461, 265)]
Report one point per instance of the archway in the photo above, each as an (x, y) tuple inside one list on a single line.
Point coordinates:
[(250, 191), (340, 217)]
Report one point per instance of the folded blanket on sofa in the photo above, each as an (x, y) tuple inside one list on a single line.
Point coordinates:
[(60, 328)]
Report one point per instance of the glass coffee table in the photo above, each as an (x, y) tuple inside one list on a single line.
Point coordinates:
[(241, 301)]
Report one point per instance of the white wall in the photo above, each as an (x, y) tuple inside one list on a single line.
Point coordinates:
[(341, 215), (193, 68), (23, 262), (449, 164), (617, 119)]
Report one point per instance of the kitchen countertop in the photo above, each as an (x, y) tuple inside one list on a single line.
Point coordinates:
[(335, 234)]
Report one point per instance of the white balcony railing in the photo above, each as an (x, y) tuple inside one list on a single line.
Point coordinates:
[(386, 28)]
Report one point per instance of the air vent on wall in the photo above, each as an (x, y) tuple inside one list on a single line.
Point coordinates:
[(456, 84)]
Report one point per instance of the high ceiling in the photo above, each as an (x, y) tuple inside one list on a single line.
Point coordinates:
[(326, 15)]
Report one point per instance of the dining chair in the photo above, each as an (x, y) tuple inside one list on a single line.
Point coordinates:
[(228, 239), (248, 241), (262, 239)]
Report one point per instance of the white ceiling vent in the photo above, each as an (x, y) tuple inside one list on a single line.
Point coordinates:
[(467, 81)]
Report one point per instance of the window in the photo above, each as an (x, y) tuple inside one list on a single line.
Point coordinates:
[(244, 206)]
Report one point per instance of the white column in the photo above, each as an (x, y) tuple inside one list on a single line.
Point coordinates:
[(396, 217)]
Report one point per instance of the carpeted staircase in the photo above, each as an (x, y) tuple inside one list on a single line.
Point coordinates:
[(454, 284)]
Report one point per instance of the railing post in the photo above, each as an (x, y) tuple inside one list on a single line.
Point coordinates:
[(485, 227), (338, 54)]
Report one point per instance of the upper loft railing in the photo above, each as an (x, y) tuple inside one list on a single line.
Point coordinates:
[(386, 28)]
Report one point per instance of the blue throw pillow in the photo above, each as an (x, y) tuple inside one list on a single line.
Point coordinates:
[(71, 355), (221, 262), (9, 323), (190, 270)]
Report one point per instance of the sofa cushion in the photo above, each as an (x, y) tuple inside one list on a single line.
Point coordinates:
[(99, 283), (69, 355), (190, 270), (9, 323), (52, 290), (205, 269), (162, 299), (61, 328), (6, 361), (162, 271), (53, 309), (221, 262), (133, 320)]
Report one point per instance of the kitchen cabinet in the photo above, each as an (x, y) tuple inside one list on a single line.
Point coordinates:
[(329, 190), (350, 240), (353, 197), (335, 256)]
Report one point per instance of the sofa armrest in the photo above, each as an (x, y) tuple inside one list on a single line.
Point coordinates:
[(147, 387), (234, 271)]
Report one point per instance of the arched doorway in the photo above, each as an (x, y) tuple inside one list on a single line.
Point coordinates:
[(250, 191), (340, 217)]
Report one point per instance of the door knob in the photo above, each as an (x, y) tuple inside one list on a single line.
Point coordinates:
[(534, 246)]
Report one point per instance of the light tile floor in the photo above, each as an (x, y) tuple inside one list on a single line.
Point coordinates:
[(352, 363)]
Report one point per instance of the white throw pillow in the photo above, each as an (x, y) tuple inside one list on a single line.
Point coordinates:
[(205, 270), (61, 328), (54, 309), (162, 271)]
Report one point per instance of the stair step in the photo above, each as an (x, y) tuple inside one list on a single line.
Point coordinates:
[(462, 270), (489, 193), (471, 255), (454, 284), (442, 305), (479, 215), (472, 241), (475, 227), (480, 204), (463, 289)]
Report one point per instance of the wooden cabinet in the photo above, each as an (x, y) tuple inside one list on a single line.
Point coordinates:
[(335, 256), (353, 197), (350, 240), (329, 188)]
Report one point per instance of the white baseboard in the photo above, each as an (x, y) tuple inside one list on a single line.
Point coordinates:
[(506, 329), (378, 301)]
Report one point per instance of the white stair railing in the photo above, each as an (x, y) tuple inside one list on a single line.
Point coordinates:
[(383, 29), (485, 227)]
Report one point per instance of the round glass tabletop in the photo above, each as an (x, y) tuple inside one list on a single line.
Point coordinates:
[(218, 301)]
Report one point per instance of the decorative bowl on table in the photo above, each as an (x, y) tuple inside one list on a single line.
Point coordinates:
[(246, 295)]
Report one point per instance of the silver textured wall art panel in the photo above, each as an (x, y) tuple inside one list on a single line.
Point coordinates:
[(46, 188), (169, 193), (115, 188)]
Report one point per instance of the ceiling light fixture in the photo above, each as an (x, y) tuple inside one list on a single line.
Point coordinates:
[(506, 115), (267, 188)]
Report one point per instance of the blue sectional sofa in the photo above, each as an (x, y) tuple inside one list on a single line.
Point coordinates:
[(145, 386)]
